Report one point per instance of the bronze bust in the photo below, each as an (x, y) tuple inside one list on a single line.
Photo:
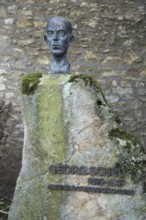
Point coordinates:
[(59, 37)]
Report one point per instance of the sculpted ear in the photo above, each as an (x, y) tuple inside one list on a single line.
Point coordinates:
[(72, 38), (45, 38)]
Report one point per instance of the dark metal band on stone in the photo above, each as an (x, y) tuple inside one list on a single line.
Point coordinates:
[(83, 170), (91, 189)]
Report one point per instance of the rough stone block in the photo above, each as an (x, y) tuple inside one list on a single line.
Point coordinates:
[(73, 145)]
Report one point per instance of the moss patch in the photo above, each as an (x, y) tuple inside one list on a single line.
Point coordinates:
[(131, 153), (30, 83), (50, 118), (43, 113), (119, 133)]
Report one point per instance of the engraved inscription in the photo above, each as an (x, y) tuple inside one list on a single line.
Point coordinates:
[(83, 170), (91, 189), (111, 182), (108, 182)]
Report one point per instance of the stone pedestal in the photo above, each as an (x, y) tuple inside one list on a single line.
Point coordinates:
[(69, 162)]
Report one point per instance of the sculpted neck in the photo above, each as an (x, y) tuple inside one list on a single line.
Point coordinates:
[(60, 65)]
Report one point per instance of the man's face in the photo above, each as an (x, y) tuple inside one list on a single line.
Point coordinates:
[(58, 37)]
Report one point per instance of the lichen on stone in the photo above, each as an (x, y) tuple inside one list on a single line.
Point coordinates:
[(131, 153), (30, 83), (88, 80), (102, 107), (44, 144)]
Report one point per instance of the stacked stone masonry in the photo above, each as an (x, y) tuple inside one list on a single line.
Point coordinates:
[(110, 45)]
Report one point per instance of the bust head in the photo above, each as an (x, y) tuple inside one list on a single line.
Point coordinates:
[(59, 37)]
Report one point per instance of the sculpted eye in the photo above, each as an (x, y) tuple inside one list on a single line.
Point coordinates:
[(61, 33), (50, 33)]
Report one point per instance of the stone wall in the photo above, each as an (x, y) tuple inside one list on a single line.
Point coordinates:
[(109, 45)]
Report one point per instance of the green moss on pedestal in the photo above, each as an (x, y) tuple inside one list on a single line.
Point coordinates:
[(45, 144), (131, 153), (119, 133), (30, 83)]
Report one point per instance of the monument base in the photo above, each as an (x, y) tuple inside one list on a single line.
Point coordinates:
[(69, 167)]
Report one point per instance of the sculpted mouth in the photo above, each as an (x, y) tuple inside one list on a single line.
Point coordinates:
[(56, 47)]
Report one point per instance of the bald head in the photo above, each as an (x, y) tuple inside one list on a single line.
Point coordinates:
[(60, 20), (59, 35)]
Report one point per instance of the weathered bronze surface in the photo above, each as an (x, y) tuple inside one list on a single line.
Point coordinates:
[(59, 37)]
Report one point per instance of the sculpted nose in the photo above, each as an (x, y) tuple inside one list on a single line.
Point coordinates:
[(55, 36)]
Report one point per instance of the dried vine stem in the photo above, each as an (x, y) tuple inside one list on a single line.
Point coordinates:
[(5, 114)]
